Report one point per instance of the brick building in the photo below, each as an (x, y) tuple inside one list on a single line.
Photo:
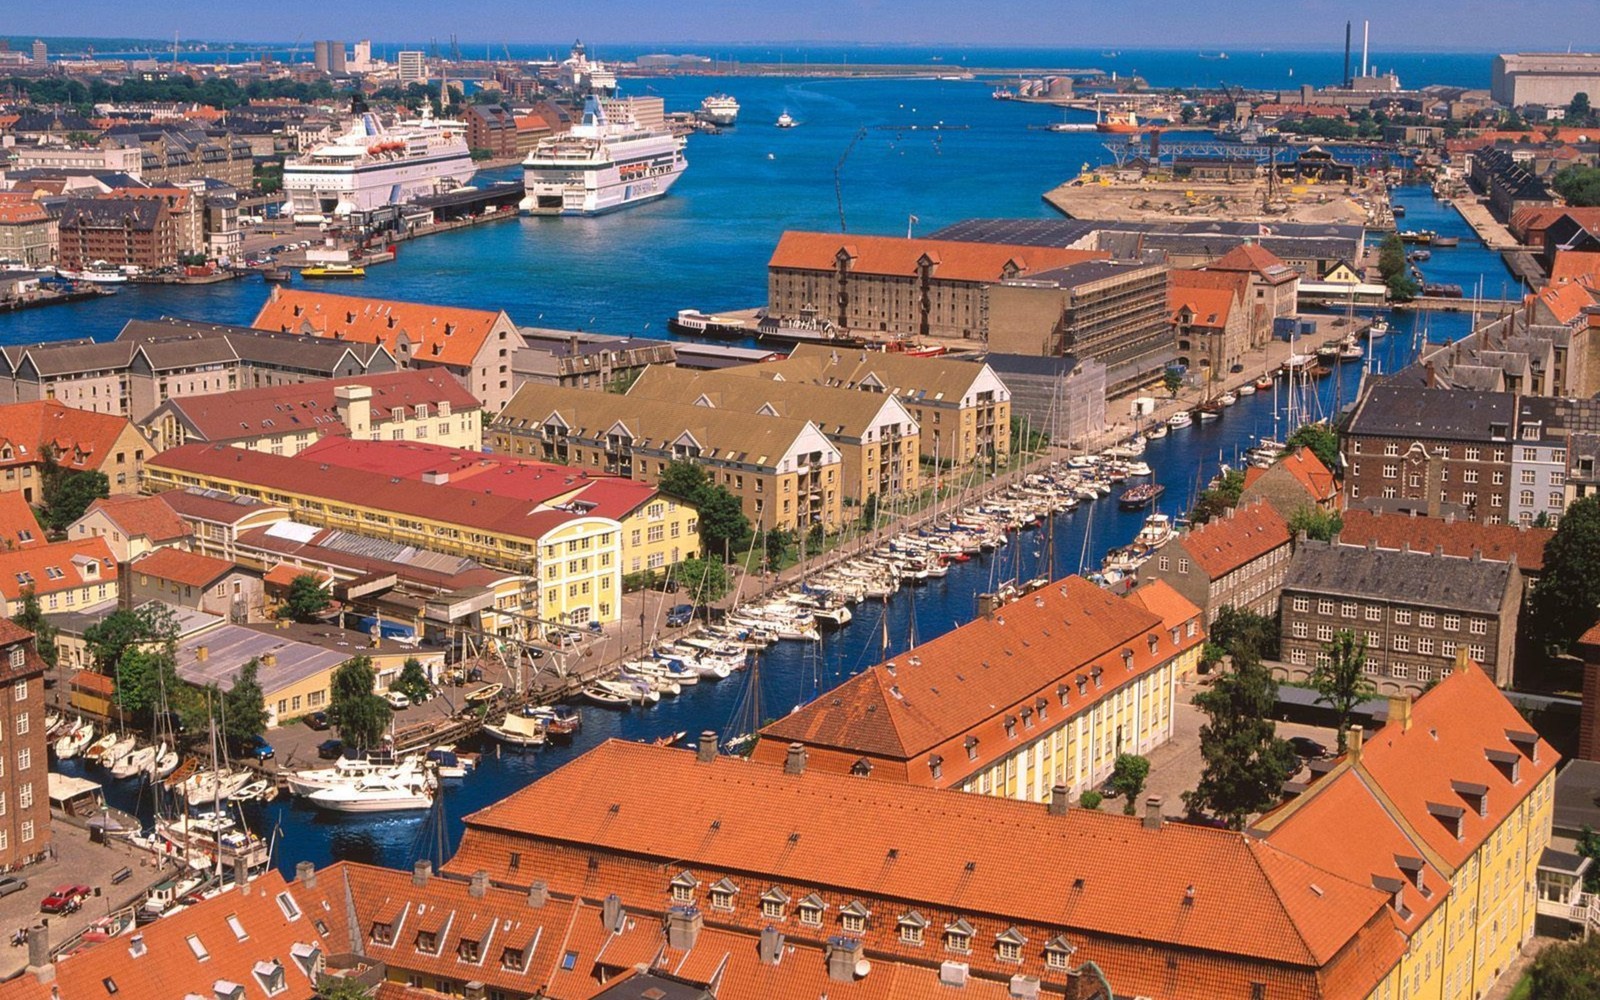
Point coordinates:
[(29, 233), (1294, 482), (1416, 611), (25, 825), (1237, 560), (1112, 312), (1209, 320), (120, 231), (493, 128)]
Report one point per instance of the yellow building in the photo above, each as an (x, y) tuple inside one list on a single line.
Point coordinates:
[(1447, 808), (1043, 692)]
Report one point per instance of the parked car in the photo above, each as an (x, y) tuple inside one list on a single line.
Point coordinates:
[(65, 899), (316, 720), (330, 749), (397, 701), (1308, 748), (680, 615), (11, 883), (260, 749)]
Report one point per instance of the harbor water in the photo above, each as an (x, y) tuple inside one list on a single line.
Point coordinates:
[(706, 246)]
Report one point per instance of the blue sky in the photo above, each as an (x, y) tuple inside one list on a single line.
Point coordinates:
[(1462, 25)]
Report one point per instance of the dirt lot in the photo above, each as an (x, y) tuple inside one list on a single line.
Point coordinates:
[(1177, 201)]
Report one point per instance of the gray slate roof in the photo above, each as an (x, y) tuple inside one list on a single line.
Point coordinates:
[(1450, 582), (1408, 411)]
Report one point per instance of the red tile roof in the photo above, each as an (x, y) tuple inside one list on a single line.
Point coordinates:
[(56, 567), (1458, 538), (1208, 300), (1571, 265), (953, 260), (1568, 301), (312, 406), (151, 518), (1304, 467), (1253, 258), (446, 335), (80, 439), (18, 527), (1246, 533), (179, 566)]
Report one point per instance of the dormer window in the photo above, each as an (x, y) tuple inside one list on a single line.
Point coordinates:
[(1011, 727), (468, 950), (722, 894), (810, 910), (958, 937), (308, 957), (1526, 742), (912, 928), (1450, 816), (382, 933), (1412, 869), (1062, 694), (853, 917), (862, 768), (1508, 763), (1008, 945), (270, 976), (683, 887), (936, 765), (1476, 795), (511, 958), (1042, 706), (972, 747), (1058, 953), (774, 904), (428, 942)]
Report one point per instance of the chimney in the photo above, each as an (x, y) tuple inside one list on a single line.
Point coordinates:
[(795, 762), (269, 660), (306, 874), (479, 884), (39, 963), (353, 404), (1152, 813), (1431, 380), (771, 948), (986, 605), (1352, 743), (683, 927), (1059, 803), (845, 964), (420, 872), (611, 913), (202, 653), (1400, 711), (707, 751), (1463, 661), (241, 874), (538, 895), (1024, 987)]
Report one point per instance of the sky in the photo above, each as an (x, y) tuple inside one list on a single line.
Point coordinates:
[(1450, 25)]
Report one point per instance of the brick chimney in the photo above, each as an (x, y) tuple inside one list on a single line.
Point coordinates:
[(795, 761), (844, 958), (1352, 743), (39, 964), (421, 872), (479, 884), (771, 947), (538, 895), (1400, 711), (611, 913), (1152, 813), (306, 874), (1059, 802), (683, 927), (707, 750)]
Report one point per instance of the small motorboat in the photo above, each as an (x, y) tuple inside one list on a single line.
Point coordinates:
[(1227, 399), (785, 121), (252, 791), (1248, 389), (484, 695), (606, 698), (377, 793), (1263, 383), (560, 721), (1378, 329), (1180, 419), (1157, 432), (1140, 496)]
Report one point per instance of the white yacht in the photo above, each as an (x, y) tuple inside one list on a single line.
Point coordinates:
[(343, 772), (210, 834), (1180, 419), (719, 109), (786, 121), (600, 165), (371, 166), (403, 791)]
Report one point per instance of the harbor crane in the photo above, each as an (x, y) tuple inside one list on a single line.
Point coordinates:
[(838, 181)]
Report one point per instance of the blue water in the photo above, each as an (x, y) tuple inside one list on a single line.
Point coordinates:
[(707, 246)]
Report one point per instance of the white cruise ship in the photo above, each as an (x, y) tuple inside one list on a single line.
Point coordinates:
[(600, 166), (371, 166), (719, 109)]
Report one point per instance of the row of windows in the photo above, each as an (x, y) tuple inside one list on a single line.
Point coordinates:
[(1400, 616)]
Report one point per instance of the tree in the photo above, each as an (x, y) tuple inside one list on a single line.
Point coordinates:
[(776, 541), (66, 493), (306, 599), (30, 617), (341, 988), (1566, 600), (1578, 110), (1320, 439), (1567, 970), (1128, 776), (869, 510), (1091, 799), (1215, 500), (1243, 634), (355, 710), (1579, 185), (1246, 763), (142, 677), (1394, 269), (1342, 682), (1588, 846), (1172, 381), (816, 539), (112, 638), (413, 681), (722, 520), (684, 480), (244, 707), (705, 579), (1315, 522)]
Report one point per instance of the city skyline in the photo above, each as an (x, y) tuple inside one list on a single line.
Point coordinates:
[(1431, 25)]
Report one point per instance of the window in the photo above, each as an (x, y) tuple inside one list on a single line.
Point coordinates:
[(1478, 626), (22, 723), (1452, 622), (774, 903), (1525, 498), (912, 926), (1347, 609), (1554, 500), (1402, 616), (1498, 478), (468, 950), (1324, 633), (1447, 648), (24, 758), (270, 976), (1299, 630), (1302, 604), (1391, 449), (428, 942), (198, 947), (810, 911), (1374, 613), (511, 959), (1297, 657), (722, 895), (958, 937), (1425, 619), (25, 796), (1527, 477), (19, 689), (1402, 644), (286, 903), (1472, 453), (1324, 607), (1008, 946), (683, 887), (1470, 477)]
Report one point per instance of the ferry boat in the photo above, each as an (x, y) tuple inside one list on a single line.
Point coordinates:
[(1119, 123), (785, 121), (719, 109), (333, 271), (1143, 495), (600, 166), (371, 166), (694, 323), (99, 272)]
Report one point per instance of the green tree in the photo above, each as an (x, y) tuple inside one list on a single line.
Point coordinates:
[(1091, 799), (1243, 634), (31, 618), (1394, 269), (1128, 776), (112, 638), (1342, 682), (1215, 500), (355, 710), (684, 480), (705, 579), (1246, 763), (341, 988), (1315, 522), (1320, 439), (1566, 600), (306, 599), (142, 677), (1578, 110), (1567, 970), (869, 510), (413, 681), (722, 520), (66, 493), (1588, 846), (1579, 185), (244, 707), (775, 542), (816, 539), (1172, 381)]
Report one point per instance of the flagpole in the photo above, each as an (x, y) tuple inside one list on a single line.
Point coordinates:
[(911, 220)]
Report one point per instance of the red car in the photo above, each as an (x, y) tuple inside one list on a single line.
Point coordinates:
[(65, 899)]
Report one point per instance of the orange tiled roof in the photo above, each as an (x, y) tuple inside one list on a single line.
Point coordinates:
[(1572, 265), (80, 439), (1307, 470), (18, 527), (23, 212), (151, 518), (446, 335), (56, 567), (1568, 301), (1255, 259), (1208, 301), (954, 260), (1458, 538), (1246, 533), (179, 566)]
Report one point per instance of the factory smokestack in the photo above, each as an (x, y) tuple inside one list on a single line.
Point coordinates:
[(1366, 27), (1347, 53)]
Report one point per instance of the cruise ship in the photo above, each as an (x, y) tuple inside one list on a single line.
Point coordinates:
[(719, 109), (371, 166), (600, 166)]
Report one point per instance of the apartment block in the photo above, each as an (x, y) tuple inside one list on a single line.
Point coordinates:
[(25, 783), (1109, 311), (1237, 561), (36, 435)]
